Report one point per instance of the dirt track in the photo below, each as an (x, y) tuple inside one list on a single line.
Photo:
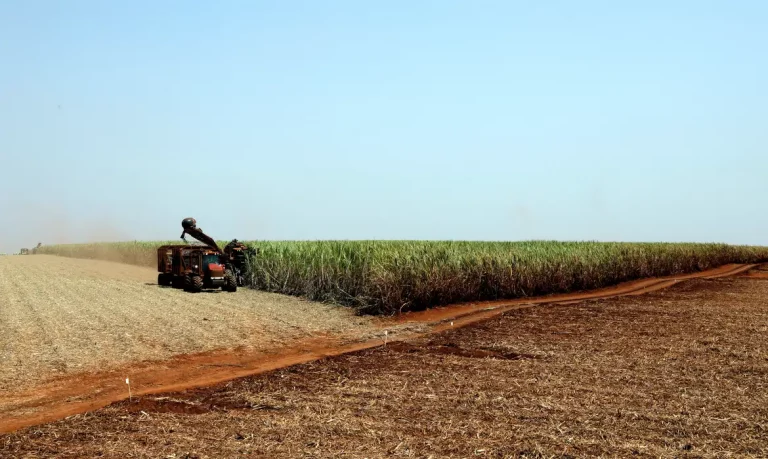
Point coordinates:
[(325, 331), (675, 373)]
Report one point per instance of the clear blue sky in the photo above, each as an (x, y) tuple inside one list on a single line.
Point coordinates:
[(494, 120)]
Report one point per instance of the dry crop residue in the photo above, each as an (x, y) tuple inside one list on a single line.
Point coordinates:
[(60, 316), (675, 373), (79, 392)]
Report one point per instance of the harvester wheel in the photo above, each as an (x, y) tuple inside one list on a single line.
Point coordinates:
[(197, 283), (230, 282), (161, 280), (194, 283)]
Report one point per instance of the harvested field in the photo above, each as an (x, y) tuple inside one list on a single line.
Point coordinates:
[(674, 373), (61, 316)]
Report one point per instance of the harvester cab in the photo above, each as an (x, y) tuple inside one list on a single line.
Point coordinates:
[(239, 254), (24, 252)]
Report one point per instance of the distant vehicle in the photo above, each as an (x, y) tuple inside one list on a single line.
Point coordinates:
[(33, 251)]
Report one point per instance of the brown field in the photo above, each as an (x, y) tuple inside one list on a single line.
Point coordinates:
[(681, 372), (61, 316)]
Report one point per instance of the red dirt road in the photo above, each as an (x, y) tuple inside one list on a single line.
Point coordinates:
[(76, 394)]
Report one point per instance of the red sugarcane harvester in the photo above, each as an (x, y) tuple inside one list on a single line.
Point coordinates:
[(196, 267)]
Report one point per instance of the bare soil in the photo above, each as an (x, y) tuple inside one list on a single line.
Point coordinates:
[(681, 372), (63, 316), (82, 391)]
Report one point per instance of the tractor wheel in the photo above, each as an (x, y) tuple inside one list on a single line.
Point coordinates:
[(161, 279), (230, 282), (197, 283), (194, 283)]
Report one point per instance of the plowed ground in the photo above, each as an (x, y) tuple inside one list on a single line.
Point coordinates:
[(675, 373), (61, 316)]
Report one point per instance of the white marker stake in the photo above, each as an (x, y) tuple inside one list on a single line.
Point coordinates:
[(451, 324), (128, 381), (386, 332)]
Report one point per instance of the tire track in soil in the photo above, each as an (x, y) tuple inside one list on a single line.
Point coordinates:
[(77, 394)]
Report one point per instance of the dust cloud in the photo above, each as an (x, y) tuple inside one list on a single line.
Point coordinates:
[(25, 225)]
